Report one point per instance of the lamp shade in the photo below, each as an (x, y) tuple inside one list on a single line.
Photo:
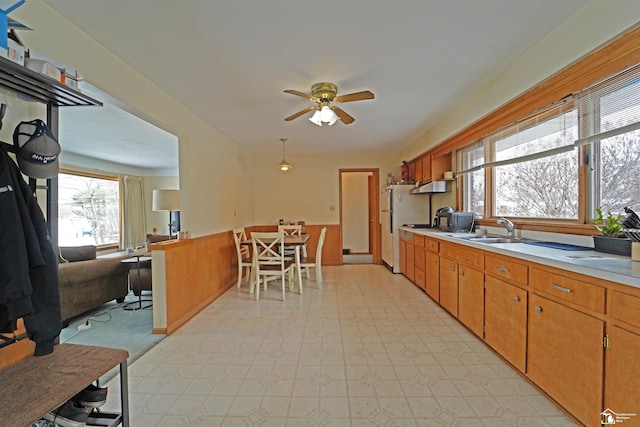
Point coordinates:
[(166, 200)]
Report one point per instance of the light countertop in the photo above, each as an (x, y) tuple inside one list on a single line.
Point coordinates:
[(601, 265)]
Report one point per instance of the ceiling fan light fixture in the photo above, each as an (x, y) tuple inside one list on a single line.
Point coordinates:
[(315, 119), (284, 165), (327, 114)]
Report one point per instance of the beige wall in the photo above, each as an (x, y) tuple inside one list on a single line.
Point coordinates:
[(214, 171), (355, 211), (310, 191), (223, 187), (592, 26)]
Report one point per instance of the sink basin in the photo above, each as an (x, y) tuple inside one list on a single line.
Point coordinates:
[(487, 238), (490, 240)]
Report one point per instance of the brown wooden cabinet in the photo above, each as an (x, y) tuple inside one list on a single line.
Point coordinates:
[(471, 298), (622, 370), (432, 275), (506, 320), (449, 285), (566, 356), (403, 256)]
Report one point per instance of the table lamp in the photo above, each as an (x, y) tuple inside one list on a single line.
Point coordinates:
[(166, 200)]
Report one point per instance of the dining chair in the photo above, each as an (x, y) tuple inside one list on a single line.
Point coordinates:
[(316, 263), (293, 230), (270, 261), (243, 253)]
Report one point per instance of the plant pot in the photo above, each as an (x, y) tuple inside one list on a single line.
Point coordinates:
[(612, 245)]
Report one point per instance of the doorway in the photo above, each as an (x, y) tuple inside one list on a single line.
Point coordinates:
[(359, 216)]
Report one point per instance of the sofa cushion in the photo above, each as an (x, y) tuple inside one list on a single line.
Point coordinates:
[(78, 253), (154, 238)]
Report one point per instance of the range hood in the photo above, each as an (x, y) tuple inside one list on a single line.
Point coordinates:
[(430, 188)]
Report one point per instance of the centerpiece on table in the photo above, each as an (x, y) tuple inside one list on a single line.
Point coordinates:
[(612, 240)]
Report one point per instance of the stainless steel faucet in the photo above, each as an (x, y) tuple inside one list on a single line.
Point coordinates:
[(508, 225)]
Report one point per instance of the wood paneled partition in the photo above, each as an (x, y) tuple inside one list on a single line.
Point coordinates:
[(196, 272)]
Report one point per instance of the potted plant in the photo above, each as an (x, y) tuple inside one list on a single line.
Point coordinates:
[(611, 239)]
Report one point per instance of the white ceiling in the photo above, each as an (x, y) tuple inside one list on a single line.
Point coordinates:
[(230, 60)]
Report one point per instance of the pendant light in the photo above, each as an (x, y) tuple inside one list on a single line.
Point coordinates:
[(284, 165)]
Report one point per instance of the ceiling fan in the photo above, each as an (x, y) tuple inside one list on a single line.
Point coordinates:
[(326, 111)]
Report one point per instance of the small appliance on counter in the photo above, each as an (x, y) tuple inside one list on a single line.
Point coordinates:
[(454, 222)]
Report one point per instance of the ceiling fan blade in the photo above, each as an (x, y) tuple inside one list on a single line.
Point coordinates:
[(356, 96), (301, 94), (299, 113), (346, 118)]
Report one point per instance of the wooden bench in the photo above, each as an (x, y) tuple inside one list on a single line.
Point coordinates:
[(39, 385)]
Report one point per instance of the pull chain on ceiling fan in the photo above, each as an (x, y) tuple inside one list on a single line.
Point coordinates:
[(325, 96)]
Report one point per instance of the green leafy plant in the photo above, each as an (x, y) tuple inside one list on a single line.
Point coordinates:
[(611, 226)]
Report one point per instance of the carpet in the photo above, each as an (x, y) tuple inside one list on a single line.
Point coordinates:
[(113, 326)]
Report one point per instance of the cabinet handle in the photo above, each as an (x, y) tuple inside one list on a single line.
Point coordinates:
[(502, 269), (560, 288), (462, 272), (452, 268), (516, 298), (538, 309)]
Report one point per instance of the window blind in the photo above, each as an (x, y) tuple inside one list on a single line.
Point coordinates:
[(611, 107)]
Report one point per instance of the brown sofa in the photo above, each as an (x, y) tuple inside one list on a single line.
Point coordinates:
[(87, 282)]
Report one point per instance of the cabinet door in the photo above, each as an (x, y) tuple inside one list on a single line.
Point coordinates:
[(419, 175), (565, 357), (622, 385), (506, 320), (403, 257), (410, 273), (432, 275), (449, 285), (471, 298)]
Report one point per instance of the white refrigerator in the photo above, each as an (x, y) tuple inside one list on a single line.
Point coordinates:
[(398, 208)]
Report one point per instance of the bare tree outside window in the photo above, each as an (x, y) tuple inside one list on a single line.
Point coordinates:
[(619, 172), (88, 211)]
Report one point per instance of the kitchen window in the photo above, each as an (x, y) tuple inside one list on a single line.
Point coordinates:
[(88, 210), (532, 169)]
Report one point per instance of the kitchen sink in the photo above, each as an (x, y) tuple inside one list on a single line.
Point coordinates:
[(487, 238), (490, 240)]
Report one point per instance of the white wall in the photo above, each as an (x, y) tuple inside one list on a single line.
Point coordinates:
[(591, 27), (311, 190), (222, 186), (214, 171), (355, 211)]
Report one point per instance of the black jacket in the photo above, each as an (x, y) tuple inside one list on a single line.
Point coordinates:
[(28, 264)]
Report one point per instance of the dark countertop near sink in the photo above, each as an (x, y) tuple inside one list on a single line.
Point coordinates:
[(601, 265)]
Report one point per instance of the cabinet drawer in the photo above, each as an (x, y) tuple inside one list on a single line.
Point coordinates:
[(419, 259), (463, 254), (578, 292), (419, 278), (626, 308), (431, 245), (506, 269), (418, 240)]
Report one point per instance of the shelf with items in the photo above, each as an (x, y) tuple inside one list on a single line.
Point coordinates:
[(38, 87)]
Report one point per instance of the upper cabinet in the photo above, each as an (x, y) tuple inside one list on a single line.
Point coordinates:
[(427, 167)]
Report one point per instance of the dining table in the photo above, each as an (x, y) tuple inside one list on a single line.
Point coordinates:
[(296, 241)]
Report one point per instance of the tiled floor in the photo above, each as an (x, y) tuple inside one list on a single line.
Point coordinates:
[(369, 349)]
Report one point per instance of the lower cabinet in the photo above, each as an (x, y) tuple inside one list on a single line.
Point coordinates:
[(449, 285), (506, 320), (471, 298), (622, 386), (432, 275), (622, 369), (403, 257), (566, 357)]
